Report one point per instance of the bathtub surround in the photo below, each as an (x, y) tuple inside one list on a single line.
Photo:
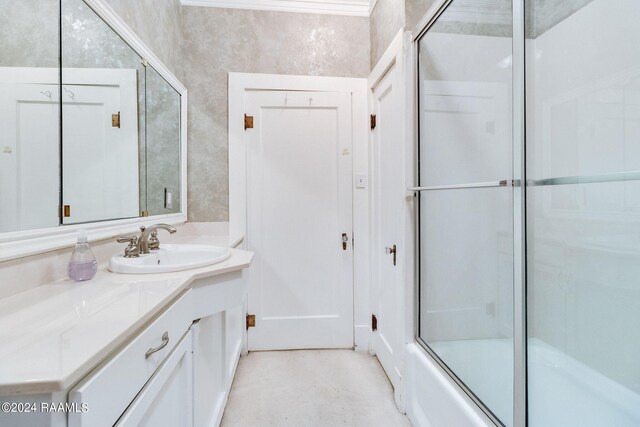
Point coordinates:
[(584, 257), (219, 41)]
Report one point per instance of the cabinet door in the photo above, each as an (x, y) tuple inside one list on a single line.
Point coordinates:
[(166, 400), (210, 382)]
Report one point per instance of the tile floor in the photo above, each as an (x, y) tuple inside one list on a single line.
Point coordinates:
[(311, 388)]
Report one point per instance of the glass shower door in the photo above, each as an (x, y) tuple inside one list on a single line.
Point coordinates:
[(583, 213), (465, 198)]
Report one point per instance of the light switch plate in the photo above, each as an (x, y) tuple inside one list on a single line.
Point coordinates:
[(361, 180)]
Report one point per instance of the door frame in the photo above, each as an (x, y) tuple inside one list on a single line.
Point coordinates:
[(239, 83), (399, 54)]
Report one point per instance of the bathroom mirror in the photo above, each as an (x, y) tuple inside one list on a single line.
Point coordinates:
[(91, 130), (103, 117), (30, 114)]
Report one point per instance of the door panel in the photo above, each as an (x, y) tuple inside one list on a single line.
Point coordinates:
[(108, 189), (29, 157), (388, 201), (299, 204)]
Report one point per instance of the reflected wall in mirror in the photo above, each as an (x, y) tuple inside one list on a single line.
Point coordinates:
[(113, 152), (103, 119), (162, 147), (29, 115)]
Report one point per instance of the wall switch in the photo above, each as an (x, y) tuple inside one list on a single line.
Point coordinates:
[(361, 180), (168, 199)]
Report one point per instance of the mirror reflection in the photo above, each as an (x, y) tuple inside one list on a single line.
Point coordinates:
[(102, 90), (30, 115), (113, 151), (162, 146)]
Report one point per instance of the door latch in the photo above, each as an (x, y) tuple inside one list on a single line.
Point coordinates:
[(345, 239), (392, 251)]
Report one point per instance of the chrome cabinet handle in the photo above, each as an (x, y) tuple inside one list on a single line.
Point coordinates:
[(165, 341)]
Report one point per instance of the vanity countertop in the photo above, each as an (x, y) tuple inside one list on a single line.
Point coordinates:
[(54, 335)]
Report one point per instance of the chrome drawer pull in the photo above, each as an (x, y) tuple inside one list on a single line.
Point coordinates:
[(165, 341)]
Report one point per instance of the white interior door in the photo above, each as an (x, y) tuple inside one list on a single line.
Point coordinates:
[(29, 156), (299, 204), (30, 146), (108, 188), (388, 190)]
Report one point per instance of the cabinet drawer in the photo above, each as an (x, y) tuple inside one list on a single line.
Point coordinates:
[(110, 389), (166, 400)]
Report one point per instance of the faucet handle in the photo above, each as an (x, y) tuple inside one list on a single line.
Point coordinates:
[(127, 239), (154, 242), (132, 250)]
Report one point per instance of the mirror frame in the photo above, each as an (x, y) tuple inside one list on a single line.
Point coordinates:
[(18, 244)]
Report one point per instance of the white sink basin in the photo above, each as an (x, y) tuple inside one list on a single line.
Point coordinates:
[(170, 258)]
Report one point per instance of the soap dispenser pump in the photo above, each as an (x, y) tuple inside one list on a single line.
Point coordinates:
[(83, 265)]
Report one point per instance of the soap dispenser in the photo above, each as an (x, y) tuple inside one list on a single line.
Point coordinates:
[(83, 265)]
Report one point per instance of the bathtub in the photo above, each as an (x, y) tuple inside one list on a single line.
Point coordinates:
[(563, 391)]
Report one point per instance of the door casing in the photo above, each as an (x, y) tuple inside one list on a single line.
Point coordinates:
[(239, 83)]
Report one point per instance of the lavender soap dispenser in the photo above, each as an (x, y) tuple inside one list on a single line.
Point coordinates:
[(83, 265)]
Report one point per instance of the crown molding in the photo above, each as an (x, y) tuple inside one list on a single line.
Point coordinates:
[(324, 7)]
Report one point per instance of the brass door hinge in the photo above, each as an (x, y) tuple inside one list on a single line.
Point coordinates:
[(248, 122), (373, 121), (115, 120), (251, 321), (374, 323), (65, 211), (144, 213)]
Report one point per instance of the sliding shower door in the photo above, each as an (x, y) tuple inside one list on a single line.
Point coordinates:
[(583, 213), (465, 199)]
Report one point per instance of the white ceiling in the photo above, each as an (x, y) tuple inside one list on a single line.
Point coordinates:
[(330, 7)]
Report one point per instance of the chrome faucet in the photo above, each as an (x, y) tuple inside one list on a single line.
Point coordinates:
[(148, 240)]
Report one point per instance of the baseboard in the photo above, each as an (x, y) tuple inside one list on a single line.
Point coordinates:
[(362, 337)]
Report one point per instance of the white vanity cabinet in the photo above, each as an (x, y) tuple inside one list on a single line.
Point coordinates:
[(174, 372), (218, 340), (185, 380), (112, 387), (166, 400)]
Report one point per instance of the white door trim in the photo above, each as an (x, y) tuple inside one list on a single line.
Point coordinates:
[(399, 54), (389, 58), (239, 83)]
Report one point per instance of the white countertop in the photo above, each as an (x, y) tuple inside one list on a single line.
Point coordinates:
[(54, 335)]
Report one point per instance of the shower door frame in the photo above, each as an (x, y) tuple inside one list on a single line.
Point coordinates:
[(519, 208)]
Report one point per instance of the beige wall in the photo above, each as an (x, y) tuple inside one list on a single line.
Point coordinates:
[(388, 17), (414, 11), (159, 24), (219, 41)]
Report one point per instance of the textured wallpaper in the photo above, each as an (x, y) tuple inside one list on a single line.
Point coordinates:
[(162, 148), (159, 24), (219, 41), (29, 39), (386, 20), (414, 11)]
